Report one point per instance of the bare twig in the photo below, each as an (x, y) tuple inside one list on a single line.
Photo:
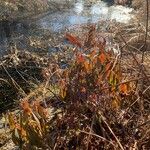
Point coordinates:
[(89, 137), (147, 19), (17, 86), (92, 134), (146, 34), (127, 109), (135, 59), (117, 140)]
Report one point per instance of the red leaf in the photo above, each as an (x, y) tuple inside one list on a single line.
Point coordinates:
[(26, 107), (123, 88), (80, 58), (108, 66), (108, 73), (102, 58), (73, 40)]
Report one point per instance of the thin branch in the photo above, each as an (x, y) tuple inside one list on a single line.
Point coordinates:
[(147, 18), (17, 86), (143, 69), (116, 138), (89, 137), (92, 134), (134, 102)]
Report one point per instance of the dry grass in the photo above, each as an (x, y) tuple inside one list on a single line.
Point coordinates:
[(92, 111), (100, 100)]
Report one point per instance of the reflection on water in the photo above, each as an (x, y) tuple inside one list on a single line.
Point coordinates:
[(79, 6), (100, 8), (81, 14)]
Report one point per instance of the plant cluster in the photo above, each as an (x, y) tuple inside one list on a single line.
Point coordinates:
[(97, 104), (29, 129)]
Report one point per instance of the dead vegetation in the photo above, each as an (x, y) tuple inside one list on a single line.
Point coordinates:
[(99, 101), (94, 98), (18, 9)]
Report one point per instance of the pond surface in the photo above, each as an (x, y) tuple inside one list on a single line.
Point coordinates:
[(83, 13)]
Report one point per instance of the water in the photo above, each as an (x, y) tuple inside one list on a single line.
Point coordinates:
[(83, 14)]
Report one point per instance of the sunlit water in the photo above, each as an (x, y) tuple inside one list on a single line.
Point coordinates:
[(82, 14)]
